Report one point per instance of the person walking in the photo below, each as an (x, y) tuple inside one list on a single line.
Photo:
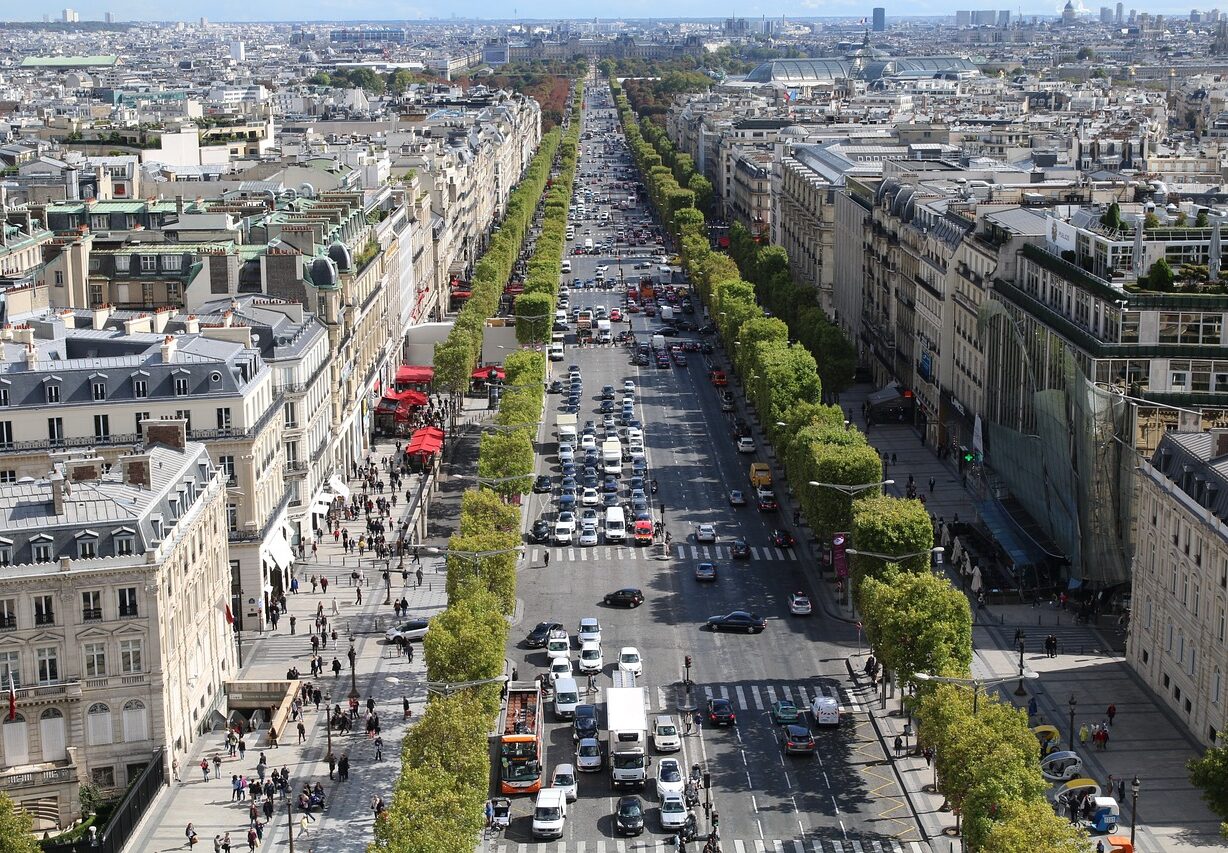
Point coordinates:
[(204, 769), (332, 765), (358, 595), (293, 622), (343, 766), (1111, 713), (190, 834), (546, 559), (302, 732), (1083, 733), (933, 482), (379, 748), (418, 576)]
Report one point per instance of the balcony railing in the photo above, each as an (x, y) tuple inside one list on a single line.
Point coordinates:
[(131, 612), (8, 623), (91, 614), (259, 533), (44, 618), (32, 778)]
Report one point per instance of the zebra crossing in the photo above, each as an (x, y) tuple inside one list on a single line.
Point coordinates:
[(603, 553), (661, 845), (751, 697)]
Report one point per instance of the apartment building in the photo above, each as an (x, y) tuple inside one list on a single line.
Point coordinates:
[(90, 379), (1179, 621), (112, 617)]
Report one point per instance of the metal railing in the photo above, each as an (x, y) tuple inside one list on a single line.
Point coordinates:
[(126, 817)]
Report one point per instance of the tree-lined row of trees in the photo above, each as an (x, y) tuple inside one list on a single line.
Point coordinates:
[(915, 620), (437, 805)]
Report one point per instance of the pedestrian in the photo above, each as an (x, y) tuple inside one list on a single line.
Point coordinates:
[(1031, 707), (315, 582), (336, 666), (928, 752), (293, 621), (358, 595), (343, 766), (899, 745), (204, 769), (251, 835), (405, 706), (235, 790), (418, 575), (379, 748), (546, 559), (242, 748), (1121, 790), (892, 458), (1104, 738), (302, 825), (323, 584), (190, 834), (1111, 713), (932, 483), (302, 732), (490, 813), (1083, 733), (332, 765)]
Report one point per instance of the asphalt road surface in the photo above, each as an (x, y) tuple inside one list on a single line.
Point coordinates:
[(843, 797)]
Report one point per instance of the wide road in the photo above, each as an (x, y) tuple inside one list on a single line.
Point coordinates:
[(844, 797)]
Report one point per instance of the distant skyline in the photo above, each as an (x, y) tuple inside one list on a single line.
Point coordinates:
[(244, 11)]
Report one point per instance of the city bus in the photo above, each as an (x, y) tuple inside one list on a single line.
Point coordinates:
[(521, 751)]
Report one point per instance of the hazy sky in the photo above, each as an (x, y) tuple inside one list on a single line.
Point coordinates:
[(338, 10)]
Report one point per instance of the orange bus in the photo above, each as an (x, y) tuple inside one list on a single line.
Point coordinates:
[(521, 751)]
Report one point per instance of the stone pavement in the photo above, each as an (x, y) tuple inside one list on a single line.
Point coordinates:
[(381, 673), (1146, 740)]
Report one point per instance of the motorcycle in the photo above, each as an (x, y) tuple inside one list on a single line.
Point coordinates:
[(691, 794), (654, 487)]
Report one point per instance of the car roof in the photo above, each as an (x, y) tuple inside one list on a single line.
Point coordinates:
[(795, 729)]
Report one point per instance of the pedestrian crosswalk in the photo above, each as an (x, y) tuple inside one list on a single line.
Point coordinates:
[(754, 697), (758, 845), (602, 553)]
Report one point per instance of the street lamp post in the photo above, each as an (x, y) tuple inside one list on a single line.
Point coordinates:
[(1019, 691), (1134, 786), (975, 683), (353, 656), (851, 490), (1073, 703), (290, 820), (328, 722)]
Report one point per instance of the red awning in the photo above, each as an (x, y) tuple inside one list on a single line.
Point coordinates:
[(414, 374), (408, 397), (425, 441), (484, 372)]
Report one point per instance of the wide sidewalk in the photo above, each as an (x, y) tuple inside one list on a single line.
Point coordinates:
[(381, 673), (1146, 740)]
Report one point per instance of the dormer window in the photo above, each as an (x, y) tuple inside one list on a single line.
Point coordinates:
[(99, 389), (121, 262), (181, 386), (149, 263), (53, 393), (172, 262)]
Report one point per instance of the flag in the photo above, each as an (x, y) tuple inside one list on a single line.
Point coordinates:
[(12, 699), (230, 619)]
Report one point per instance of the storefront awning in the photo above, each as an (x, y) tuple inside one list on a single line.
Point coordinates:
[(322, 504), (425, 442), (338, 487), (413, 374), (279, 552), (484, 372), (395, 399)]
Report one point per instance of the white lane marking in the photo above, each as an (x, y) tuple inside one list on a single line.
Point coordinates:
[(754, 695), (724, 692), (741, 696), (788, 694), (771, 693)]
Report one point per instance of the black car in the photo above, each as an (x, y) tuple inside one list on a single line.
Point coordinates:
[(738, 620), (626, 597), (607, 407), (740, 550), (665, 332), (542, 485), (720, 713), (556, 387), (536, 638), (541, 530), (629, 816), (782, 538), (586, 723)]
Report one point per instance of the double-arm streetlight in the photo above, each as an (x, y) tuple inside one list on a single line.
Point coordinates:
[(852, 491), (975, 683)]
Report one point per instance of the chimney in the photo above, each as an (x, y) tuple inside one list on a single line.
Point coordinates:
[(168, 349), (84, 470), (69, 318), (169, 432), (23, 334), (161, 317), (72, 189), (31, 356), (192, 325), (228, 318), (1219, 443), (135, 470), (179, 205), (101, 314), (58, 490)]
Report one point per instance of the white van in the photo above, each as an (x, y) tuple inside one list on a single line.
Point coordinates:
[(566, 267), (556, 352), (558, 644), (566, 698), (615, 524), (549, 813), (826, 711), (588, 244)]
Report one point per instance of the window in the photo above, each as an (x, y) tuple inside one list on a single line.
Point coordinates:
[(53, 393), (48, 659), (149, 263), (291, 415), (95, 660), (140, 416), (87, 548), (99, 390), (172, 262), (10, 667), (102, 427), (227, 464), (186, 416), (140, 388), (130, 656), (1217, 685), (8, 614), (59, 278), (41, 552), (125, 544), (6, 434), (91, 606), (98, 728), (223, 418), (4, 396), (232, 517), (136, 721), (103, 777), (181, 386), (55, 431), (127, 602), (8, 475), (44, 610)]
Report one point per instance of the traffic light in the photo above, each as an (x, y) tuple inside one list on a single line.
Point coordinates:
[(687, 662), (969, 456), (662, 509), (707, 779)]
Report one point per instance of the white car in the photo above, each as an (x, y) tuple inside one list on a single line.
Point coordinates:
[(589, 631), (706, 533), (665, 735), (588, 755), (563, 532), (560, 668), (567, 518), (628, 386), (629, 660), (415, 629), (565, 778), (673, 813), (590, 658), (589, 516), (746, 444), (670, 781), (588, 442), (590, 497), (566, 454), (588, 535)]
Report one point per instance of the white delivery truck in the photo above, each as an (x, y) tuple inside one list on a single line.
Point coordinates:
[(658, 342), (628, 735), (565, 429), (604, 334), (612, 456), (549, 813), (667, 314)]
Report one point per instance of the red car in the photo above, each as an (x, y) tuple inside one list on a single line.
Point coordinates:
[(782, 538)]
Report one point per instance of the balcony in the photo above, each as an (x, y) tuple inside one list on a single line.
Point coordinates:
[(130, 612), (258, 534), (44, 618), (33, 778), (8, 623), (91, 614)]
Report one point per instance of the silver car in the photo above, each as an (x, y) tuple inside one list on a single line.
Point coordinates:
[(588, 755)]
